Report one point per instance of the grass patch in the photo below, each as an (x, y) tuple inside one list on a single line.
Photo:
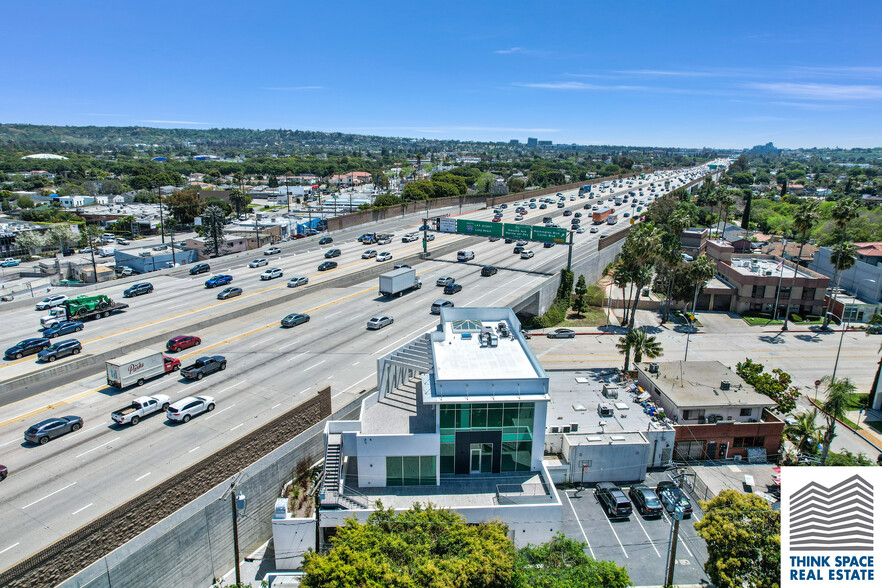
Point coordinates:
[(851, 424), (594, 317), (755, 321), (857, 401)]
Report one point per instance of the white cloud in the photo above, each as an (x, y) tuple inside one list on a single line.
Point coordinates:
[(577, 86), (671, 73), (100, 114), (813, 91), (507, 51), (175, 122)]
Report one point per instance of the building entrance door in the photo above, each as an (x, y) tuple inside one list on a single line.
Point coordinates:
[(481, 458), (475, 465)]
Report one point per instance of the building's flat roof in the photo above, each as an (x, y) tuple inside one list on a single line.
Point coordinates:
[(697, 384), (752, 266), (401, 412), (605, 439), (572, 391), (459, 356)]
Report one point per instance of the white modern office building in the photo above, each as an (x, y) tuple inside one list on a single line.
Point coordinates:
[(459, 421)]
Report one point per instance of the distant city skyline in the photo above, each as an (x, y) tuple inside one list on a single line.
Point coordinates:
[(689, 74)]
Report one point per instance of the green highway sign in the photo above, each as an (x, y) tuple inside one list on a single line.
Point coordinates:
[(478, 228), (515, 231), (549, 234)]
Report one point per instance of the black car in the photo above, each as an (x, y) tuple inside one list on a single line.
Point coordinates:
[(63, 328), (568, 213), (518, 249), (138, 289), (27, 347), (60, 349), (294, 319), (613, 500), (452, 288), (327, 265), (42, 432), (325, 241), (645, 501), (548, 245), (509, 241), (488, 270), (200, 268), (332, 253)]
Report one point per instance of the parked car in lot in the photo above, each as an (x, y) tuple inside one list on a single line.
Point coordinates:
[(326, 241), (368, 254), (258, 263), (645, 500), (10, 262), (200, 268), (63, 328), (444, 280), (384, 256), (180, 342), (138, 289), (378, 322), (561, 334), (488, 270), (439, 304), (219, 280), (298, 281), (60, 349), (613, 500), (672, 498), (186, 408), (273, 272), (27, 347), (272, 251), (42, 432), (327, 265), (51, 301), (332, 253), (452, 288), (230, 292), (294, 319)]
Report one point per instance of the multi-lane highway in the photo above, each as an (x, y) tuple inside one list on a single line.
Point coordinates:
[(55, 488)]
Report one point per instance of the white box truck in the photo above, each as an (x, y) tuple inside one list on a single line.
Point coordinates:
[(138, 367), (399, 281)]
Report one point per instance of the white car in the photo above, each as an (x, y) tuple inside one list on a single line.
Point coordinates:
[(298, 281), (186, 408), (594, 229), (384, 256), (369, 254), (384, 241), (409, 238), (519, 217), (258, 263), (580, 230), (272, 251), (51, 301), (273, 272), (526, 254)]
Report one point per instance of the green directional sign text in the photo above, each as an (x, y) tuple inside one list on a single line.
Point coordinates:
[(515, 231), (549, 234), (478, 228)]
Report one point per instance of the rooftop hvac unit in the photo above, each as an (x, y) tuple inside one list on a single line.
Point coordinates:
[(574, 427), (768, 273), (653, 368), (725, 385), (555, 429), (565, 429)]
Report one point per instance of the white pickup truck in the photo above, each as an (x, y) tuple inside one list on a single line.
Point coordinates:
[(140, 408)]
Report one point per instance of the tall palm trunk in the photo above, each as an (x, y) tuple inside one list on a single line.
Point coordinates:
[(837, 275), (793, 281)]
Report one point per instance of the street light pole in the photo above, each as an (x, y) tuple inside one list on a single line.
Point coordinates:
[(842, 336)]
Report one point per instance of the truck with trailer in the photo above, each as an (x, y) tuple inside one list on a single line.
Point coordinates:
[(81, 308), (140, 408), (138, 367), (612, 219), (396, 282), (600, 215), (585, 189)]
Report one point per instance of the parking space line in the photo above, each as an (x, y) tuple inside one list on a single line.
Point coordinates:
[(611, 528), (584, 536), (651, 542)]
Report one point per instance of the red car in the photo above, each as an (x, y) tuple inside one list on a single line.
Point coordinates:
[(182, 342), (3, 472)]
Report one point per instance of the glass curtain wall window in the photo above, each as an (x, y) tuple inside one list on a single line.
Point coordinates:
[(514, 419)]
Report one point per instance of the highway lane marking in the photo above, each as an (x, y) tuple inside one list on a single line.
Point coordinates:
[(48, 495), (357, 362), (335, 314), (276, 406), (293, 357), (138, 479), (353, 386), (314, 365), (212, 415), (194, 449), (8, 442), (584, 536), (82, 509), (230, 387), (105, 444), (10, 547), (237, 426), (288, 345)]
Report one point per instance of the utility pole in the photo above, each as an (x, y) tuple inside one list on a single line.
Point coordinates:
[(234, 511), (161, 222), (570, 253), (92, 251), (677, 515)]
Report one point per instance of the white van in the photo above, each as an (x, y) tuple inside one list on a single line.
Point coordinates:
[(465, 255)]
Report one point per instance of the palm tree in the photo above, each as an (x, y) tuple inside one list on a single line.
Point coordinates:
[(238, 199), (843, 255), (726, 203), (641, 343), (640, 251), (844, 211), (701, 270), (835, 407), (622, 277), (803, 220), (806, 433)]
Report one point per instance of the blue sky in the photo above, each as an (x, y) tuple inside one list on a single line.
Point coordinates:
[(680, 73)]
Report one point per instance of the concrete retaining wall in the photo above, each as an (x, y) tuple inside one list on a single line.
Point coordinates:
[(194, 546)]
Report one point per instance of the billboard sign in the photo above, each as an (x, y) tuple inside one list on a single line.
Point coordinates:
[(447, 225)]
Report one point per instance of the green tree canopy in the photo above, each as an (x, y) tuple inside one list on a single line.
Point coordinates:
[(423, 546), (775, 385), (562, 563)]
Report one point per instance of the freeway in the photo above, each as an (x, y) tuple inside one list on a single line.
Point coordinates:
[(56, 488)]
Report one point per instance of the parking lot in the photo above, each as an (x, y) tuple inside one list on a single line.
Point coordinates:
[(637, 543)]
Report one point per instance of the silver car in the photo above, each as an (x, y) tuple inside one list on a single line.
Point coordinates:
[(378, 322), (298, 281)]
